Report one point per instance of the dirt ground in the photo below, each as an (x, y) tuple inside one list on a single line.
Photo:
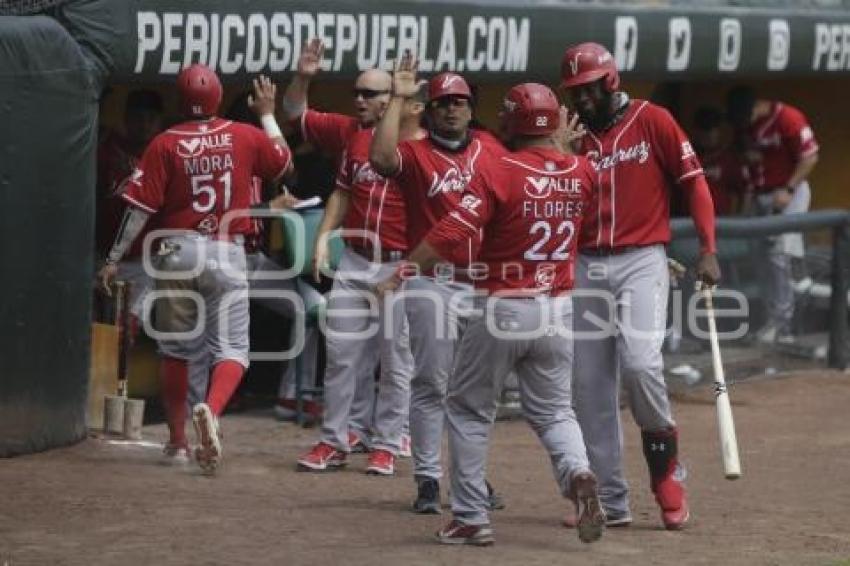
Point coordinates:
[(102, 503)]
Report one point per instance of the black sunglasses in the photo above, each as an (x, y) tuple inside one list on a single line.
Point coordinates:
[(368, 93)]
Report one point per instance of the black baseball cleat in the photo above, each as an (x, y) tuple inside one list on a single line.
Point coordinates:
[(427, 497)]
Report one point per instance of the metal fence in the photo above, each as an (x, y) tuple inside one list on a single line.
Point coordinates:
[(736, 243)]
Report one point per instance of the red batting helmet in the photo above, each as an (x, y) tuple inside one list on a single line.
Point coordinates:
[(200, 91), (531, 109), (586, 63), (448, 84)]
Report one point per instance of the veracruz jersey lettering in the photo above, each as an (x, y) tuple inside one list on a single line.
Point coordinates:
[(783, 138), (193, 174), (637, 162), (530, 204), (433, 181), (376, 205)]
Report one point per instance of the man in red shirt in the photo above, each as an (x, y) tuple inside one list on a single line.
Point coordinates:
[(530, 205), (330, 133), (726, 174), (371, 211), (190, 177), (639, 154), (432, 174), (783, 152)]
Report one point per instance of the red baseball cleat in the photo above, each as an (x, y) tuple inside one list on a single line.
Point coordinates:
[(321, 457), (460, 533), (670, 496), (381, 463)]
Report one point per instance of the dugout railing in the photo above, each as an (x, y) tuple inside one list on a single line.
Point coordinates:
[(758, 228)]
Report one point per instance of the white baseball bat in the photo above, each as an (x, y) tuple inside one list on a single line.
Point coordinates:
[(725, 423)]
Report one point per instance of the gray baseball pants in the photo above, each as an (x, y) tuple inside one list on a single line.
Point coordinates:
[(531, 337), (779, 250), (435, 310), (620, 316), (361, 330), (257, 264)]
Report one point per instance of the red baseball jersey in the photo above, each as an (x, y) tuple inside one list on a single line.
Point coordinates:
[(530, 205), (376, 204), (195, 172), (328, 132), (433, 179), (783, 138), (637, 162), (727, 177)]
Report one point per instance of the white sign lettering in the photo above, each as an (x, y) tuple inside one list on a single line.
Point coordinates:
[(233, 43), (626, 43)]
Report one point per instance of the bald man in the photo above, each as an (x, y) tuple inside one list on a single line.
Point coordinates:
[(330, 133)]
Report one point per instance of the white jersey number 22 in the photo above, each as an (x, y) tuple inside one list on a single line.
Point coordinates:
[(566, 228)]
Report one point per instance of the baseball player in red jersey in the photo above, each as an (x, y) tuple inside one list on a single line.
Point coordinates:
[(639, 154), (330, 133), (432, 174), (530, 204), (372, 213), (783, 152), (727, 175), (190, 177)]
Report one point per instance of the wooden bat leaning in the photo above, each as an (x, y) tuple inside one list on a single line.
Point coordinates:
[(725, 423)]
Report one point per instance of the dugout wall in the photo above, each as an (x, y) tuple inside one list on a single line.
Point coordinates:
[(48, 112)]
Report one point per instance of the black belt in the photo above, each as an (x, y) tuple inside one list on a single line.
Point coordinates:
[(382, 255), (607, 250)]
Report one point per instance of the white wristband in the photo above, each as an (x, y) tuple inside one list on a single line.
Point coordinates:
[(270, 126)]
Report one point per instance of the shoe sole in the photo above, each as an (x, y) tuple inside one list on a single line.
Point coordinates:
[(375, 471), (483, 541), (590, 518), (208, 453), (175, 461), (679, 525), (311, 467)]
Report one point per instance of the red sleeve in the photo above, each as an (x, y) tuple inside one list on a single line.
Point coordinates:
[(326, 131), (406, 159), (702, 211), (147, 185), (677, 155), (797, 135), (271, 159), (474, 211)]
